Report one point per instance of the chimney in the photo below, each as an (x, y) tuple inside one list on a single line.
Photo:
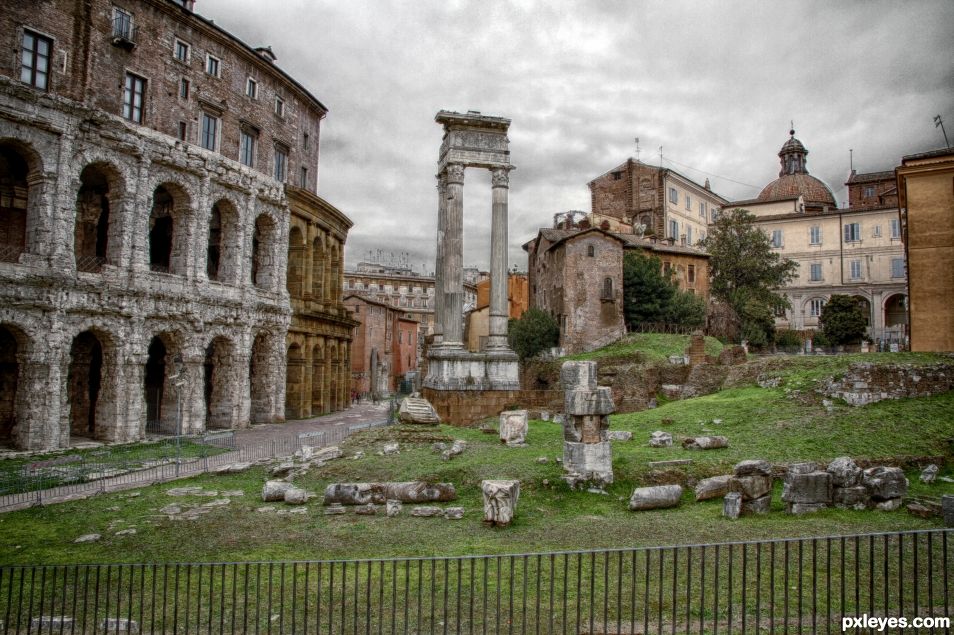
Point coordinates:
[(266, 53), (707, 186)]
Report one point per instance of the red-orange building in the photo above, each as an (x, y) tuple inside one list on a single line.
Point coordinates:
[(384, 348)]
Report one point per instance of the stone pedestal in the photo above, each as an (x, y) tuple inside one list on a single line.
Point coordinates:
[(500, 501), (587, 456)]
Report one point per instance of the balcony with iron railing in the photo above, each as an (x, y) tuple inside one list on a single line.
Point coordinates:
[(125, 33)]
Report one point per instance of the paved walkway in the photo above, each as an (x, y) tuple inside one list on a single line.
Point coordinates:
[(250, 444)]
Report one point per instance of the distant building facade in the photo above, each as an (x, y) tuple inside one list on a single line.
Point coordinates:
[(384, 348), (144, 222), (477, 327), (926, 190), (576, 275), (855, 251), (665, 203)]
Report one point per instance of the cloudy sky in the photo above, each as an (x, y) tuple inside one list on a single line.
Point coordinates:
[(714, 83)]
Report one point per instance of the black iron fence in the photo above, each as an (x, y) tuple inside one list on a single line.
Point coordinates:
[(46, 480), (805, 585)]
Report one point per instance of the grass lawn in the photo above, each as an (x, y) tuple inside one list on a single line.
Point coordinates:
[(759, 422), (651, 347)]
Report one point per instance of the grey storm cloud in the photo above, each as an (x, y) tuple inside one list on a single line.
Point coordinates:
[(714, 83)]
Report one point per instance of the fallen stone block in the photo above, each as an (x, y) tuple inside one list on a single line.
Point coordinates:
[(713, 487), (590, 462), (119, 625), (888, 505), (804, 508), (885, 483), (844, 472), (656, 497), (752, 486), (282, 469), (454, 513), (760, 505), (660, 439), (296, 496), (513, 427), (426, 511), (619, 435), (929, 474), (366, 510), (52, 624), (856, 497), (705, 443), (393, 508), (390, 449), (87, 538), (417, 410), (275, 490), (752, 466), (379, 493), (335, 509), (500, 501), (922, 509), (456, 449), (732, 505), (807, 487), (802, 468), (328, 454)]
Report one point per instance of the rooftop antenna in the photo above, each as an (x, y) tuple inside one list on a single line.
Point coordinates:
[(940, 124), (637, 149), (851, 159), (660, 157)]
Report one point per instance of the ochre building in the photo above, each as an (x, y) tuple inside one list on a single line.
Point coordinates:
[(144, 222)]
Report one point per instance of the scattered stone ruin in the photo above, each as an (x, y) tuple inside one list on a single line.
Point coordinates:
[(500, 501), (380, 493), (587, 455), (866, 383), (416, 409)]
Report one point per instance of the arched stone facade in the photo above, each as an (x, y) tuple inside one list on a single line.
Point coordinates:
[(88, 285)]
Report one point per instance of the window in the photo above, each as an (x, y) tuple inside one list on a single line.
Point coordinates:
[(281, 163), (897, 267), (122, 24), (210, 131), (895, 228), (133, 95), (673, 195), (688, 202), (869, 191), (691, 274), (247, 148), (279, 106), (617, 176), (855, 269), (304, 141), (181, 51), (852, 232), (816, 272), (590, 251), (303, 177), (183, 130), (876, 232), (183, 88), (689, 234), (251, 88), (212, 65), (673, 229), (607, 293), (715, 214), (702, 209), (35, 60), (815, 307), (777, 238), (814, 235)]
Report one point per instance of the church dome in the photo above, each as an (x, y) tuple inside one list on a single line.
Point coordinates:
[(794, 179)]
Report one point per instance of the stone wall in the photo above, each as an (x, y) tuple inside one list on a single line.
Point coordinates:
[(866, 383), (467, 407)]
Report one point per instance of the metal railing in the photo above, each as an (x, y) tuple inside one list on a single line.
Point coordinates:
[(46, 481), (798, 585)]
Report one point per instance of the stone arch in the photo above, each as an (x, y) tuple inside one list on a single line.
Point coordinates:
[(318, 399), (84, 387), (318, 270), (895, 309), (296, 263), (294, 382), (865, 305), (807, 306), (334, 284), (13, 346), (263, 378), (96, 228), (168, 218), (224, 245), (264, 248), (220, 386), (163, 355), (21, 169), (335, 381)]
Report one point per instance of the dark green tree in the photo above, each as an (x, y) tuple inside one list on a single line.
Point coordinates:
[(843, 320), (745, 273), (651, 295), (533, 333)]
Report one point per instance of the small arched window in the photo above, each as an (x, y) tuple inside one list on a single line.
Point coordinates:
[(590, 251), (607, 293)]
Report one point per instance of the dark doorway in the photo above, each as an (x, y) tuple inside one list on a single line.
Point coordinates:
[(13, 204), (92, 220), (154, 384), (9, 376), (84, 381), (160, 231)]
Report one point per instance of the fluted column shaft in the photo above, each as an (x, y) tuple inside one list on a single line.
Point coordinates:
[(498, 261), (453, 269), (439, 260)]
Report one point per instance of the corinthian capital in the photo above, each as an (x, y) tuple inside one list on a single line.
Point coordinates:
[(500, 177), (455, 173)]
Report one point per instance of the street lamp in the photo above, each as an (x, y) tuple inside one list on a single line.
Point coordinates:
[(178, 380)]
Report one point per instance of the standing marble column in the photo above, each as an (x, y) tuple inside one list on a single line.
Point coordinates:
[(499, 312), (453, 256), (439, 263)]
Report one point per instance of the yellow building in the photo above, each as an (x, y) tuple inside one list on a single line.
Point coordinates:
[(926, 192), (854, 251)]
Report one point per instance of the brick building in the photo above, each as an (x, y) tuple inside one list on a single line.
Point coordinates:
[(666, 203), (384, 349), (576, 275), (477, 326), (854, 251), (144, 222), (925, 185)]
